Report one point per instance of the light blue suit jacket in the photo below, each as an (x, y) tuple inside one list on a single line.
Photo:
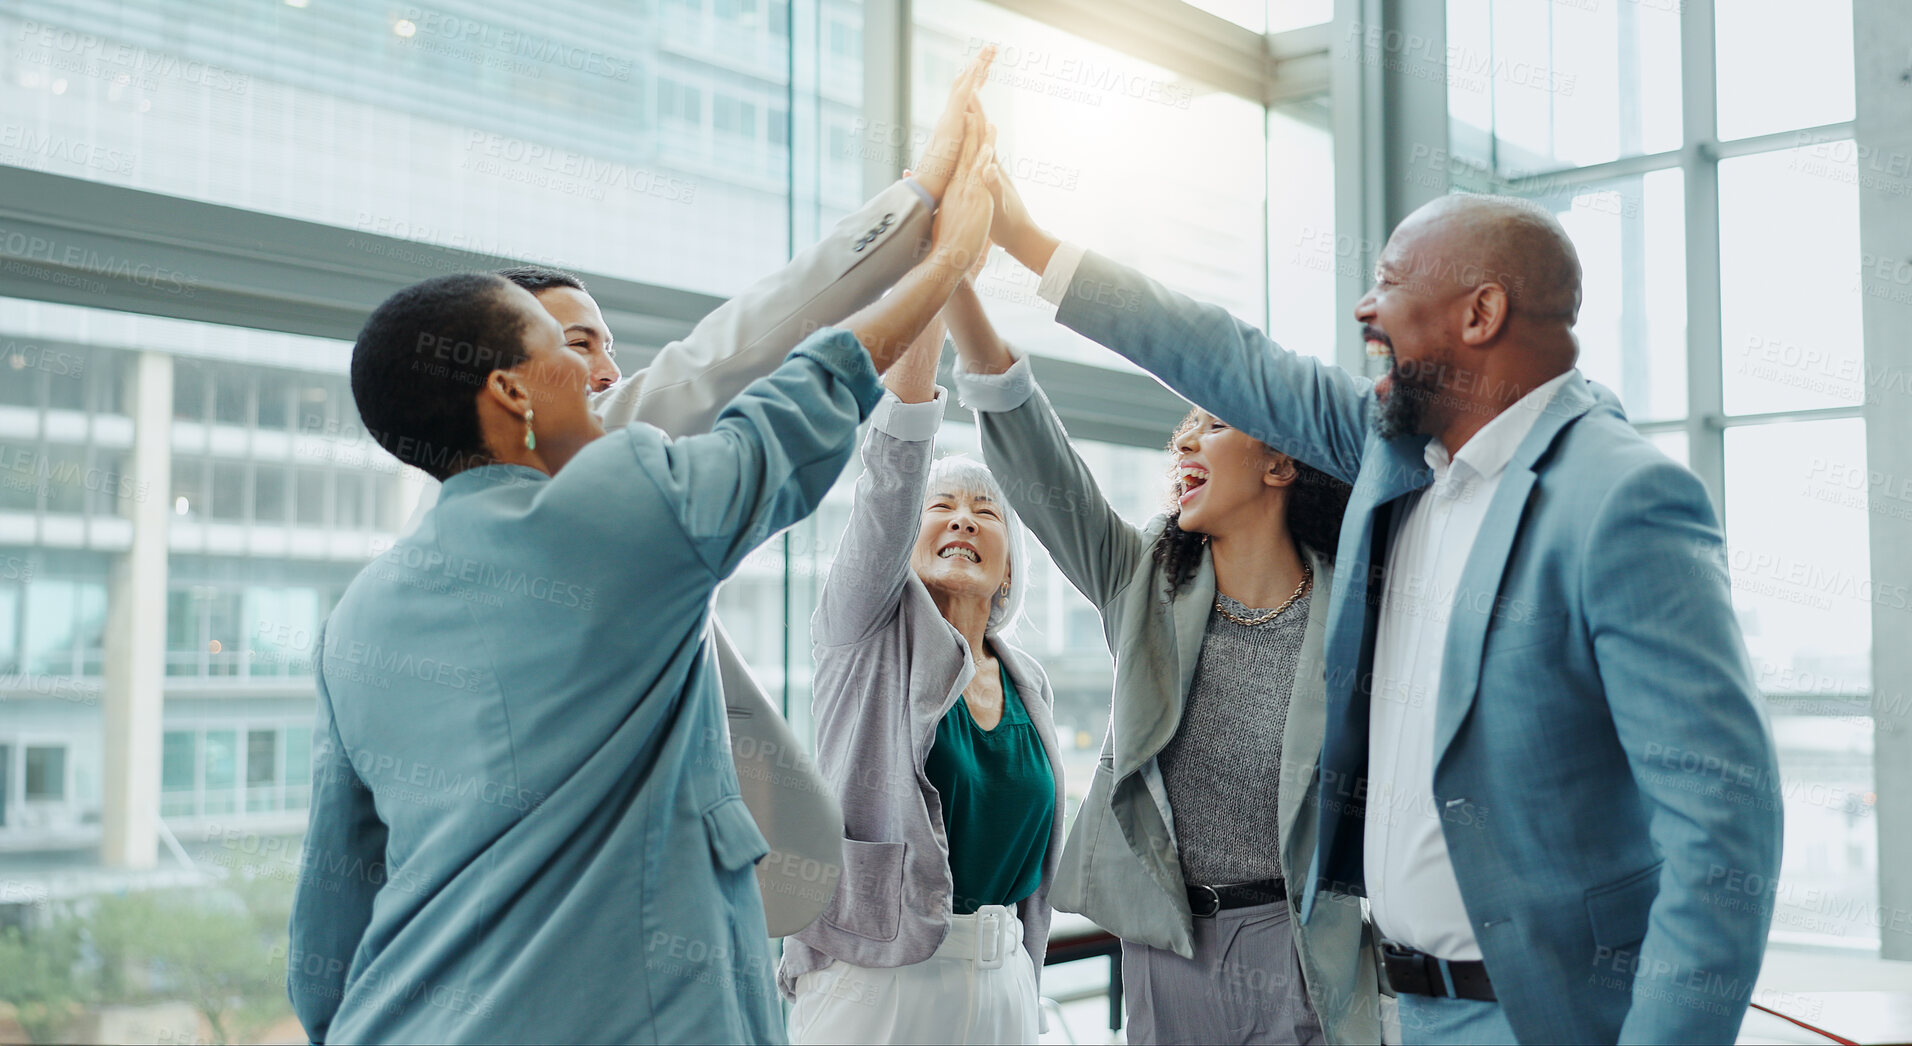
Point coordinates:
[(1603, 769), (525, 821)]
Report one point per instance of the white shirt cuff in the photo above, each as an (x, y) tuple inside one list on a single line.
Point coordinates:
[(995, 393), (928, 200), (1060, 272), (913, 422)]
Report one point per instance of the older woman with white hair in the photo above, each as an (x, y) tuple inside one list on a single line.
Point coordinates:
[(938, 738)]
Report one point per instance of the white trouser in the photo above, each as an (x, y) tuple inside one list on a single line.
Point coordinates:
[(979, 987)]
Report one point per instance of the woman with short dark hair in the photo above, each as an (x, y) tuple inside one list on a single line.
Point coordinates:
[(525, 822)]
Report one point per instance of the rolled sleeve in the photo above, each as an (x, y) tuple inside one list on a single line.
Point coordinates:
[(1060, 272), (913, 422), (995, 393)]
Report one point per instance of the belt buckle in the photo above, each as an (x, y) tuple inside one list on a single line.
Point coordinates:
[(989, 928), (1214, 898)]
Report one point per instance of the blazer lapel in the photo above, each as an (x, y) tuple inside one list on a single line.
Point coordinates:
[(1393, 468), (1142, 729), (1301, 735), (1479, 590)]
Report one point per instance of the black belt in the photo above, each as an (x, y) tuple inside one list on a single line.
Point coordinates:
[(1205, 901), (1418, 973)]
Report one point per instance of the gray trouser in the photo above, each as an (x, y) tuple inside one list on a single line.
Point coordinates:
[(1243, 985)]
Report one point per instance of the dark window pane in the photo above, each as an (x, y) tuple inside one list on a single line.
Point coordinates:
[(310, 501), (269, 493), (298, 766), (275, 400), (189, 487), (262, 757), (110, 488), (232, 400), (224, 651), (178, 765), (21, 379), (90, 626), (65, 480), (20, 480), (190, 384), (351, 505), (228, 491), (66, 378), (221, 770), (315, 399), (46, 772), (9, 628), (183, 641)]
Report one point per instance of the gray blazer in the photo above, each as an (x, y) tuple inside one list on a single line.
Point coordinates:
[(682, 391), (888, 668), (1121, 867)]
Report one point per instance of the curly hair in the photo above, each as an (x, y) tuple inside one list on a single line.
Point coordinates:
[(1316, 503)]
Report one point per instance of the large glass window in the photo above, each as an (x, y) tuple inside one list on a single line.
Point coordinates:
[(1790, 459), (1181, 163), (468, 124), (1755, 35), (1789, 300), (1538, 87)]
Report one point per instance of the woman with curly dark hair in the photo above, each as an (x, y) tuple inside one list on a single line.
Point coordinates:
[(1202, 808)]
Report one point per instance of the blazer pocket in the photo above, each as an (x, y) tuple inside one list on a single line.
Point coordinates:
[(1617, 911), (735, 841), (868, 901)]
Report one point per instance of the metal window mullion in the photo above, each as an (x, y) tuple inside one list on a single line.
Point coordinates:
[(1765, 143), (1705, 384)]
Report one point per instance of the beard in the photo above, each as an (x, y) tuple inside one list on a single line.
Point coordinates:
[(1412, 391)]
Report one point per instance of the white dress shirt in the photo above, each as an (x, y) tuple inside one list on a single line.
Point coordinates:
[(1413, 895)]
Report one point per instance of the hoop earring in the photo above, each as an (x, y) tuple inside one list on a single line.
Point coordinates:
[(530, 437)]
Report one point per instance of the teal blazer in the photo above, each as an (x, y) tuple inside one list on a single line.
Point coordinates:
[(525, 820), (1605, 774)]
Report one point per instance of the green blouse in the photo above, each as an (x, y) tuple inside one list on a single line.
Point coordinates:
[(999, 802)]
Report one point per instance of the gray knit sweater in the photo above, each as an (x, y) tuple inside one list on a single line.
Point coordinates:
[(1223, 766)]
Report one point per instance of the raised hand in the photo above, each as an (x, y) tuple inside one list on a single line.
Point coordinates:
[(939, 160), (1013, 228), (960, 235), (889, 325)]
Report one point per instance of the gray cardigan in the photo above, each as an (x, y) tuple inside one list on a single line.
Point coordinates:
[(1121, 867), (888, 668)]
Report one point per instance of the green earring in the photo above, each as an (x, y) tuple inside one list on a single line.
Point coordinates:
[(530, 437)]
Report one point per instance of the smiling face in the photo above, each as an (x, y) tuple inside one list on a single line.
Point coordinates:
[(585, 332), (962, 550), (1225, 478), (1411, 320), (553, 377)]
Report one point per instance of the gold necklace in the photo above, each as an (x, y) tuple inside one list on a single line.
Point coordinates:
[(1307, 576)]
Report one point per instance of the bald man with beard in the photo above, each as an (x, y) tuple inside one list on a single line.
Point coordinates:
[(1546, 763)]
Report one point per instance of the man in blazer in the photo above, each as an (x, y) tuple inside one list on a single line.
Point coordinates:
[(689, 382), (1545, 764)]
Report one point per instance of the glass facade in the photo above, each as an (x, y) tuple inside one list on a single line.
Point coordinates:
[(1793, 479)]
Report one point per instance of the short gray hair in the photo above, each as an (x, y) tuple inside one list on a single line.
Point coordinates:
[(962, 474)]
